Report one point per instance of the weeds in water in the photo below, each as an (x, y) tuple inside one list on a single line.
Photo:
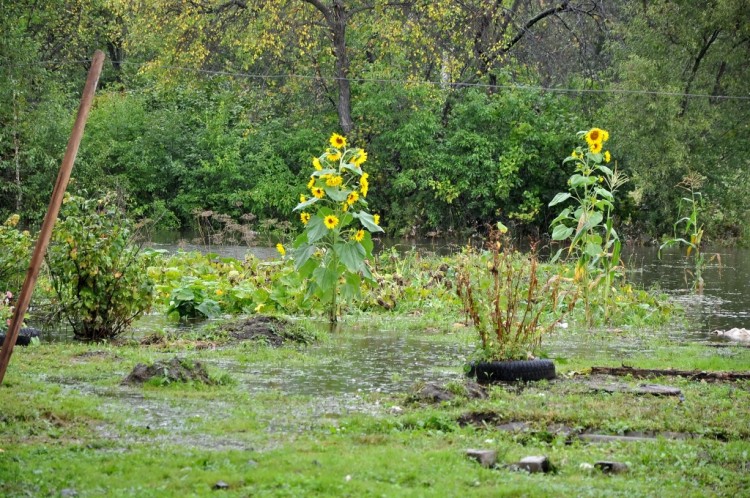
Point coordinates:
[(688, 231), (511, 308)]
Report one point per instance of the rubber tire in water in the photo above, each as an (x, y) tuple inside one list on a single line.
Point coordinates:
[(509, 371)]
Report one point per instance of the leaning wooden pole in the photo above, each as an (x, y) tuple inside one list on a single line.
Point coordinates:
[(52, 211)]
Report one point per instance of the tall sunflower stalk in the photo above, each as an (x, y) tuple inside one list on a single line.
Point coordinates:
[(332, 250), (588, 224)]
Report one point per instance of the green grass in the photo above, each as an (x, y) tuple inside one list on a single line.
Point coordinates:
[(66, 422)]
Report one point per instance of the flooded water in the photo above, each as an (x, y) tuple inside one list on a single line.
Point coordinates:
[(725, 300), (362, 360)]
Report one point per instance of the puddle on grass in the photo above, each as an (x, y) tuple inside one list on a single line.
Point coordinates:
[(357, 361)]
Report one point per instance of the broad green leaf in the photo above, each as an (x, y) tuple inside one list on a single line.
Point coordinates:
[(352, 254), (336, 193), (368, 221), (562, 216), (593, 249), (580, 180), (560, 197), (603, 192), (326, 278), (302, 254), (561, 232), (367, 244), (303, 205), (316, 229)]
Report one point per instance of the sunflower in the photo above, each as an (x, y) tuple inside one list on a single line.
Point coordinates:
[(352, 198), (359, 158), (595, 147), (359, 235), (334, 181), (316, 164), (330, 222), (280, 248), (318, 192), (338, 141), (333, 155), (304, 217), (605, 135), (311, 183), (607, 157), (363, 186), (594, 135), (376, 218), (302, 198)]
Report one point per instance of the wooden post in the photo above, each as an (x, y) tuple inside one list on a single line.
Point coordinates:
[(52, 211)]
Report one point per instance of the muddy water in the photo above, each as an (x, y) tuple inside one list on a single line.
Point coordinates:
[(725, 300), (360, 361)]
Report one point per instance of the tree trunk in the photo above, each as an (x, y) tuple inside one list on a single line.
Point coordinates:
[(338, 28)]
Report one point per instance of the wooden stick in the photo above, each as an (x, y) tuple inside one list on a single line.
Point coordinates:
[(690, 374), (52, 211)]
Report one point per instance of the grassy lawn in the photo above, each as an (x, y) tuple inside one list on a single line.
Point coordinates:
[(68, 425)]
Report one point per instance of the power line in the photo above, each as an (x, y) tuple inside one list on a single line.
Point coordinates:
[(393, 81)]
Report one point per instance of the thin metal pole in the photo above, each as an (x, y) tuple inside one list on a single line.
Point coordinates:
[(52, 211)]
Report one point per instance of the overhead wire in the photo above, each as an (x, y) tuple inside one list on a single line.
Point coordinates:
[(394, 81)]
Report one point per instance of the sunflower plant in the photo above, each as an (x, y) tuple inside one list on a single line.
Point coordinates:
[(588, 224), (332, 250)]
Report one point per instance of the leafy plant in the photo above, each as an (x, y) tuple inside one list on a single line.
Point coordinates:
[(99, 277), (690, 228), (331, 248), (15, 254), (511, 308), (588, 225)]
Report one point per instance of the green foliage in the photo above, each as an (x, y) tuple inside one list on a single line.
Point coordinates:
[(331, 250), (98, 275), (14, 256), (502, 294)]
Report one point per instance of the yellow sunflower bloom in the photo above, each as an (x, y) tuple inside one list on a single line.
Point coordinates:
[(280, 248), (605, 135), (311, 183), (316, 164), (607, 157), (595, 147), (333, 155), (363, 186), (360, 158), (359, 235), (334, 181), (330, 221), (376, 218), (304, 217), (338, 141), (302, 198), (352, 198), (318, 192), (594, 135)]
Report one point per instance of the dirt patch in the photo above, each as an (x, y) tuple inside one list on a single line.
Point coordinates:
[(272, 330), (174, 370)]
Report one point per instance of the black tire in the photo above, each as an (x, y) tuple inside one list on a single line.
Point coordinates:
[(509, 371), (24, 336)]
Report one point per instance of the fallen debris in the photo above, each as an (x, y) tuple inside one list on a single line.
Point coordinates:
[(174, 370), (690, 374)]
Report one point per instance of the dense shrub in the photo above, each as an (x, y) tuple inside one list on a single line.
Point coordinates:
[(99, 277)]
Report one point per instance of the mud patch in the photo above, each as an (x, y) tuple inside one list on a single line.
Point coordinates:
[(269, 329), (174, 370)]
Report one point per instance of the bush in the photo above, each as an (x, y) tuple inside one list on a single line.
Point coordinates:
[(100, 278)]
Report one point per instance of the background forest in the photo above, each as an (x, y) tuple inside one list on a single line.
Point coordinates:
[(466, 108)]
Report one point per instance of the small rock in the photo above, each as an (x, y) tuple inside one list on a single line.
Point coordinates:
[(395, 410), (475, 390), (611, 467), (221, 485), (487, 458), (586, 466), (534, 464), (434, 393), (68, 492)]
